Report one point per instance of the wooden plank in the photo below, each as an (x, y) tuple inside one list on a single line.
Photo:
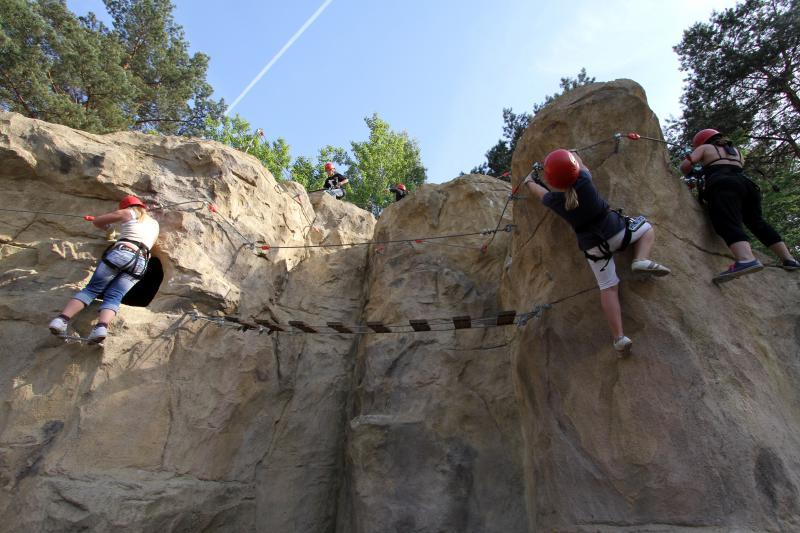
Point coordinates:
[(420, 325), (267, 324), (302, 326), (378, 327), (338, 326), (504, 318), (462, 322)]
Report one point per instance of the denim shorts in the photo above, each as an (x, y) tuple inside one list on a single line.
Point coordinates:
[(111, 283)]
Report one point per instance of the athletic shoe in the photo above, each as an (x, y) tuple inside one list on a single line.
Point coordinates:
[(738, 269), (58, 326), (98, 334), (646, 266), (791, 264), (622, 344)]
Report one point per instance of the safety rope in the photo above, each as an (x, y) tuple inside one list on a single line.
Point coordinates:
[(46, 213), (261, 246), (418, 240), (617, 137)]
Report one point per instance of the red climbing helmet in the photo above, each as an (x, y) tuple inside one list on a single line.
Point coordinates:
[(703, 136), (401, 186), (561, 168), (329, 166), (129, 201)]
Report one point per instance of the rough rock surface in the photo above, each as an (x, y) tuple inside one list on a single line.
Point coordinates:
[(700, 428), (182, 425), (175, 425), (434, 437)]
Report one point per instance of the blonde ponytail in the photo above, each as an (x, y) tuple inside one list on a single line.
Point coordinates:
[(571, 199), (140, 212)]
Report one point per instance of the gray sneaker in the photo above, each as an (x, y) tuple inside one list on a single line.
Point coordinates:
[(58, 326), (791, 264), (98, 334), (646, 266), (623, 345)]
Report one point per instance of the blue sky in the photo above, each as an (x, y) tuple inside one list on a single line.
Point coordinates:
[(441, 70)]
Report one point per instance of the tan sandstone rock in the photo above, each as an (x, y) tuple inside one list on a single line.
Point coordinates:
[(188, 425), (176, 425), (700, 427)]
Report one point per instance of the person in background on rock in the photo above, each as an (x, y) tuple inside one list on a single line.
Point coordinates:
[(733, 200), (121, 266), (399, 191), (335, 181), (599, 230)]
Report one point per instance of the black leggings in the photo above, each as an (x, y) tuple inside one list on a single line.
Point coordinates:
[(734, 200)]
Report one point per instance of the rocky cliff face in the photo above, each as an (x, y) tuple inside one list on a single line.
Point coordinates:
[(701, 426), (189, 425), (183, 425)]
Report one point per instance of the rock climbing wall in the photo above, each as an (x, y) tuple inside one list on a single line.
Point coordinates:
[(176, 425), (183, 424), (700, 427), (434, 439)]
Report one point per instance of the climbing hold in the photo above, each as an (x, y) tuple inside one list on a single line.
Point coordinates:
[(265, 247), (634, 136), (88, 217), (418, 241), (484, 248), (212, 208)]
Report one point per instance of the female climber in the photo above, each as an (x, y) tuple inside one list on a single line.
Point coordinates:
[(600, 231), (121, 266), (733, 200)]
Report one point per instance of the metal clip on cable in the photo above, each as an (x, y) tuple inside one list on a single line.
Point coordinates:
[(536, 312)]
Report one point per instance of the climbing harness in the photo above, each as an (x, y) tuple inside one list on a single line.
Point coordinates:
[(129, 267), (606, 253)]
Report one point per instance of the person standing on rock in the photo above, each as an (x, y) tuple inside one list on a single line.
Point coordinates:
[(334, 182), (734, 201), (399, 191), (600, 231), (121, 266)]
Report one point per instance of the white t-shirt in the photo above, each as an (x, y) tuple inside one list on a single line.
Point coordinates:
[(144, 231)]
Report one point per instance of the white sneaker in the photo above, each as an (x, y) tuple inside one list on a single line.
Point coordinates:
[(58, 326), (646, 266), (98, 335), (622, 344)]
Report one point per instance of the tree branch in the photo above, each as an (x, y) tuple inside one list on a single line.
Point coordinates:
[(31, 112)]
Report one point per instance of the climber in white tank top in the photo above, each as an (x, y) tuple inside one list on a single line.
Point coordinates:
[(118, 271), (140, 227)]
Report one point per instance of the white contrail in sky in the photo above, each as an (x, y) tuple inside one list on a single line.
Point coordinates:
[(272, 61)]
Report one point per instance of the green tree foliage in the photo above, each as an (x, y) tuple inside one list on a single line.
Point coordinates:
[(498, 157), (311, 173), (743, 77), (385, 158), (238, 133), (54, 67), (76, 71)]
